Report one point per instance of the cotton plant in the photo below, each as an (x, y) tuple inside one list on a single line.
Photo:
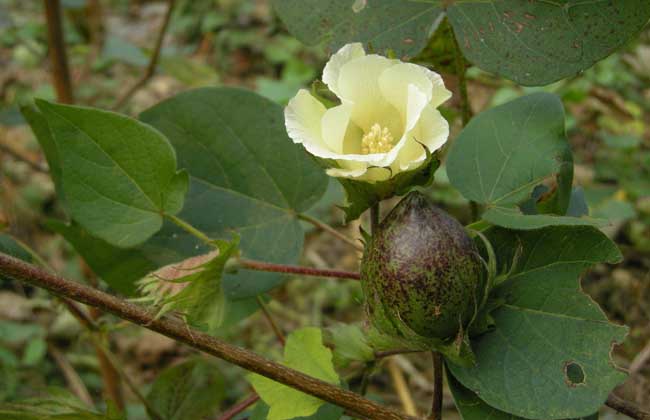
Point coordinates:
[(227, 175)]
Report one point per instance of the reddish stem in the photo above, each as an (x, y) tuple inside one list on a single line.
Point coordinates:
[(239, 408), (294, 269)]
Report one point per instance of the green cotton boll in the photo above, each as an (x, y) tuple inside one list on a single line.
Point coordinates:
[(421, 271)]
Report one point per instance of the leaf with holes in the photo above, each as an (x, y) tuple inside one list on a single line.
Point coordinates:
[(505, 152), (402, 27), (305, 352), (191, 390), (537, 42), (118, 175), (246, 175), (549, 354)]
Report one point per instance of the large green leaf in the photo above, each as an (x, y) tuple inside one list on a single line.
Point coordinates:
[(188, 391), (246, 175), (549, 354), (536, 42), (116, 266), (305, 352), (471, 407), (505, 152), (533, 42), (400, 26), (118, 175)]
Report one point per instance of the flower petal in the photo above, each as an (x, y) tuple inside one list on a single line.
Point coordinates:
[(358, 85), (394, 84), (302, 117), (348, 169), (440, 93), (417, 101), (338, 131), (333, 67), (432, 132)]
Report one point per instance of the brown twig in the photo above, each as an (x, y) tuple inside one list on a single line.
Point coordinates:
[(153, 60), (20, 157), (640, 360), (436, 405), (329, 229), (71, 376), (179, 331), (294, 269), (239, 407), (58, 57), (110, 358), (271, 321), (461, 68), (626, 407)]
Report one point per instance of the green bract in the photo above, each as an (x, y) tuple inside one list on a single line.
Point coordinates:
[(421, 269)]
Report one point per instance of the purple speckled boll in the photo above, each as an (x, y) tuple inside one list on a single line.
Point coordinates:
[(423, 268)]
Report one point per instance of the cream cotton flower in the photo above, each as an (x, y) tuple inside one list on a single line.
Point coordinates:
[(386, 119)]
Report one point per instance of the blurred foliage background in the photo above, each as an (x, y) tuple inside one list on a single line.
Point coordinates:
[(241, 43)]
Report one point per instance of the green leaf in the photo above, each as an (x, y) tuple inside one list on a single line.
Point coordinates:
[(116, 266), (10, 246), (513, 218), (191, 390), (360, 196), (246, 176), (118, 175), (471, 407), (58, 404), (41, 130), (325, 412), (537, 42), (402, 27), (305, 352), (549, 355), (505, 152), (349, 344), (34, 352)]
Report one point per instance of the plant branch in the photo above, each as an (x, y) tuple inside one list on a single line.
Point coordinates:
[(110, 377), (329, 229), (179, 331), (626, 407), (58, 57), (640, 360), (461, 68), (274, 326), (110, 357), (153, 60), (232, 412), (436, 405), (71, 376), (295, 269)]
